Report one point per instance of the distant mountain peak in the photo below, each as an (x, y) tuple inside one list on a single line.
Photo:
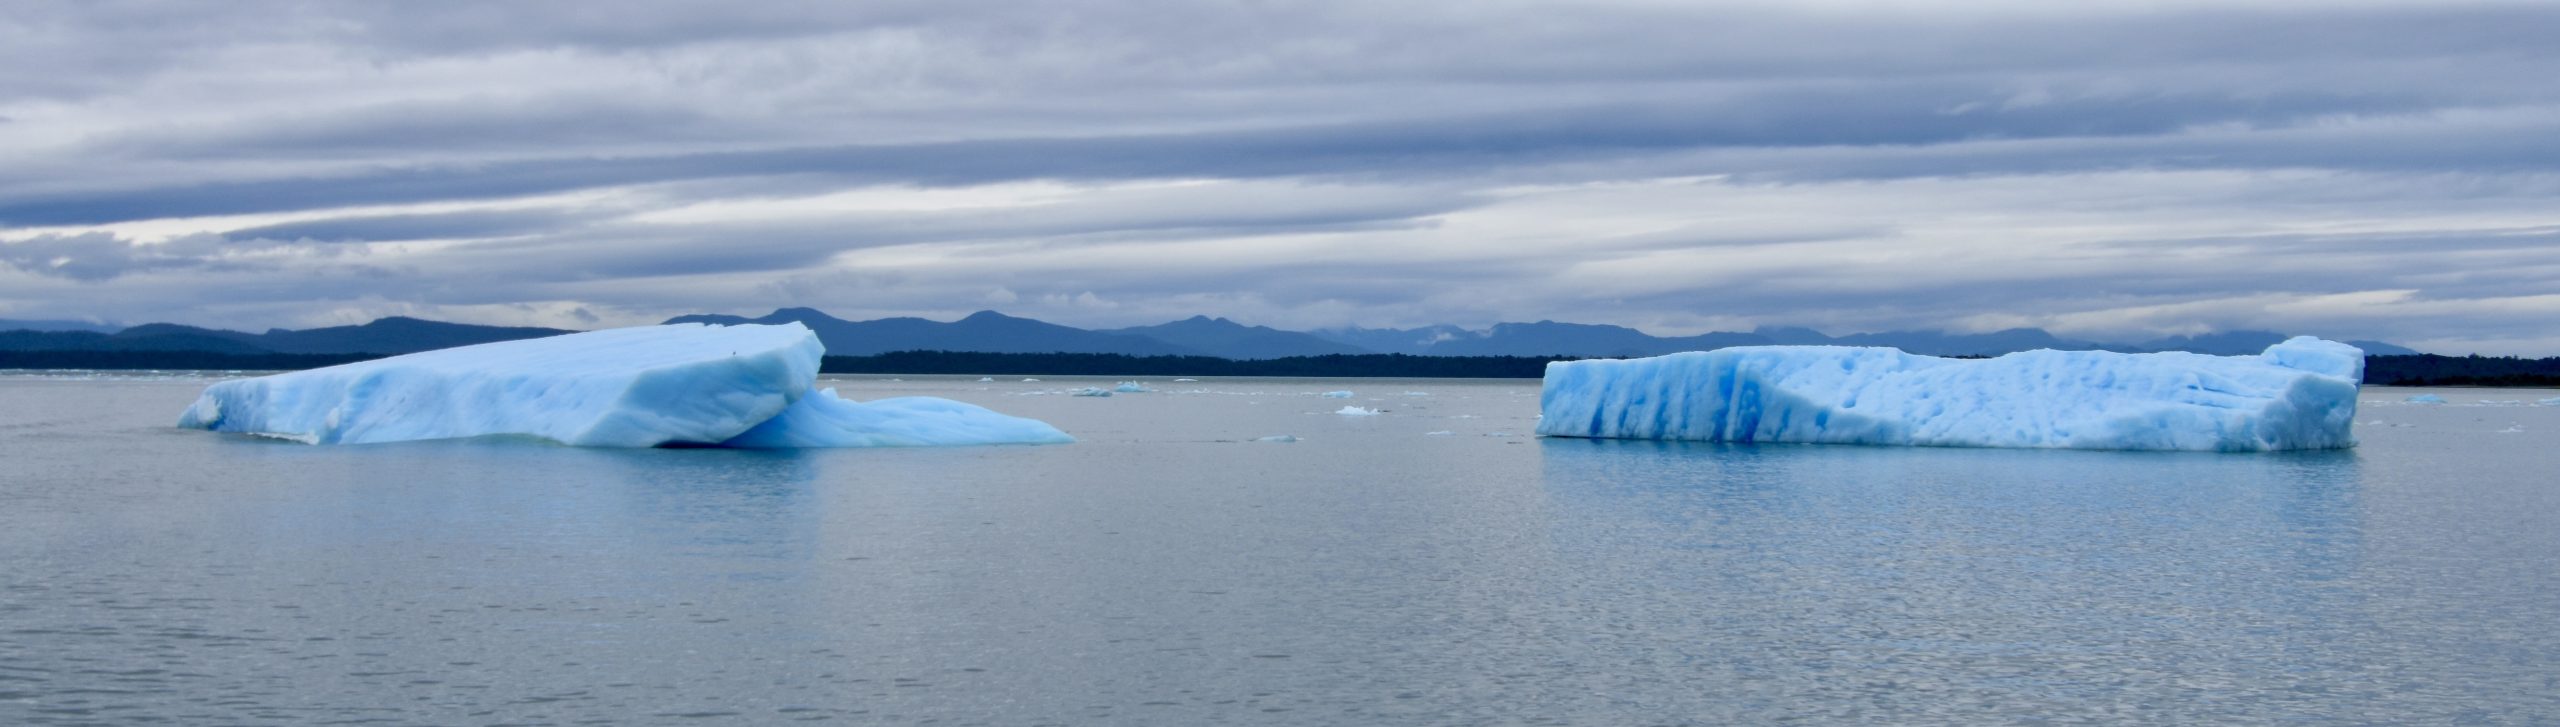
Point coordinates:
[(799, 312)]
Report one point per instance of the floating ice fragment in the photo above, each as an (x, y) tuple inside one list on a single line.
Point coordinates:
[(1131, 387), (2425, 399), (1090, 391), (1184, 381), (2299, 394), (1277, 438), (1336, 395), (1353, 411), (986, 379), (2553, 401), (1441, 433)]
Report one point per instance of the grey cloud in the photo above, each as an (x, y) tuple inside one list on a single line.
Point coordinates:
[(98, 256), (1425, 110), (654, 249), (424, 130), (421, 226), (1918, 141)]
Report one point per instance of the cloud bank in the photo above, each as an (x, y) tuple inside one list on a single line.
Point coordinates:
[(2110, 170)]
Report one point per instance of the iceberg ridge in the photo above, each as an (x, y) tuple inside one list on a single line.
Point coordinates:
[(647, 386), (2299, 394)]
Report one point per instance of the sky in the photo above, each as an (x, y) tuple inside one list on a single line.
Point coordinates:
[(2104, 170)]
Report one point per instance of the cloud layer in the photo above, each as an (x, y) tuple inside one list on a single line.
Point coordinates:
[(2367, 169)]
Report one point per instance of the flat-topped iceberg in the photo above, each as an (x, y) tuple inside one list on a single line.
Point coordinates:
[(672, 385), (2299, 394)]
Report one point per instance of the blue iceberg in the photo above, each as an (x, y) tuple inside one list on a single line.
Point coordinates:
[(673, 385), (2299, 394)]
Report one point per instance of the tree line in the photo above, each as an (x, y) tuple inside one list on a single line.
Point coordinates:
[(2417, 370)]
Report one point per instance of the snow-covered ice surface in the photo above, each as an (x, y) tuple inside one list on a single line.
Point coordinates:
[(823, 419), (685, 384), (2299, 394)]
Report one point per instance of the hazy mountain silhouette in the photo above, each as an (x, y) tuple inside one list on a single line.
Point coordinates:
[(394, 335), (166, 338), (1228, 339), (2233, 343), (1410, 341), (1549, 338), (992, 332), (9, 324), (983, 331), (397, 334)]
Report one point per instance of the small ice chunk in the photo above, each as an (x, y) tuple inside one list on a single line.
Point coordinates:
[(986, 379), (1441, 433), (1336, 395), (1277, 438), (2553, 401), (1090, 391), (1184, 381), (1132, 387), (1353, 411), (1030, 381), (2425, 399)]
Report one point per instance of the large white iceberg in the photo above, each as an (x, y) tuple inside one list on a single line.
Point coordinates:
[(2299, 394), (672, 385)]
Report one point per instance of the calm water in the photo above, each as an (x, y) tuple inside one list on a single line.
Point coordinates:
[(1169, 570)]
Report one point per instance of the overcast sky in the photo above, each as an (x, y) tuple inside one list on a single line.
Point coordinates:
[(2105, 170)]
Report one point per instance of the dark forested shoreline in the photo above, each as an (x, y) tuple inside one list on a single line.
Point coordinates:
[(2412, 370)]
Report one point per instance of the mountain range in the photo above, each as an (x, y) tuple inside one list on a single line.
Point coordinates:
[(992, 332)]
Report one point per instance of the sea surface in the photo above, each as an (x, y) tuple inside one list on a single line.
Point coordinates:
[(1431, 564)]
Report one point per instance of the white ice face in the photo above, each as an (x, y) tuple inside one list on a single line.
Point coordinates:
[(2299, 394), (824, 420), (626, 387)]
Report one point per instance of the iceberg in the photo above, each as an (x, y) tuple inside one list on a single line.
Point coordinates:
[(1353, 411), (1132, 387), (686, 384), (2298, 394), (2425, 399)]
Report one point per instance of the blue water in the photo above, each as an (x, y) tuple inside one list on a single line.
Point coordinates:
[(1169, 570)]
